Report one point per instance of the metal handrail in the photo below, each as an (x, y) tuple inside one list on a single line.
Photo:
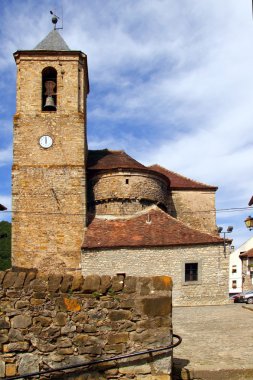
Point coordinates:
[(93, 362)]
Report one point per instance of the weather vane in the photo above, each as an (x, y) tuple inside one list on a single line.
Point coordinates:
[(55, 20)]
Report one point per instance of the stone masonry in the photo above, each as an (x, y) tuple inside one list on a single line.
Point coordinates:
[(49, 196), (212, 287), (54, 321)]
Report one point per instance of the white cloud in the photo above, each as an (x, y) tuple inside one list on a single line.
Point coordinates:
[(5, 156)]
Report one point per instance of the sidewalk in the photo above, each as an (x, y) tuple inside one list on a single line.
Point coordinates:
[(217, 342)]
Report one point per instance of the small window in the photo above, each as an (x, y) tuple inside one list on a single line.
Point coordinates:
[(127, 181), (234, 284), (49, 89), (191, 272), (234, 269)]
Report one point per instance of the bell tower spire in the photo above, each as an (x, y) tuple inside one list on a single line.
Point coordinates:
[(50, 149)]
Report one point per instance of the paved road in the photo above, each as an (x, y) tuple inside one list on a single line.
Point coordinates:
[(217, 340)]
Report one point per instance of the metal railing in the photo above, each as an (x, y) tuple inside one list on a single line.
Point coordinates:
[(100, 361)]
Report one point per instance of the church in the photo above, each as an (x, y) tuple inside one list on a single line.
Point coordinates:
[(81, 211)]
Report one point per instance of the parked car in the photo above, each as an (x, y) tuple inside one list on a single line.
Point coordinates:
[(246, 297)]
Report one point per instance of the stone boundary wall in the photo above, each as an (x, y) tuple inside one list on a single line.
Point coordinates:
[(54, 321)]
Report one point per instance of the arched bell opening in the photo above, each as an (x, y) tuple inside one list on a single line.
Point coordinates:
[(49, 89)]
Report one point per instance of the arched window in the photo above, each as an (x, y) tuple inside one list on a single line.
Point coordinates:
[(49, 89)]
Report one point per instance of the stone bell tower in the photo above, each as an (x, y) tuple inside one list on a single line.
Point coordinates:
[(50, 149)]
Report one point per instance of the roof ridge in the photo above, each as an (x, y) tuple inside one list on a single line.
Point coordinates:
[(182, 176)]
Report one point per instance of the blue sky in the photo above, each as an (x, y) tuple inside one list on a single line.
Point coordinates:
[(171, 83)]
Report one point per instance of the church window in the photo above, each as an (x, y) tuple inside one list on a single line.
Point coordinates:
[(49, 89), (234, 284), (234, 270)]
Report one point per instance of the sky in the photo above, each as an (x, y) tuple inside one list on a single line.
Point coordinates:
[(170, 83)]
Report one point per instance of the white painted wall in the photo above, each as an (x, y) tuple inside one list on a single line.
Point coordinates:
[(234, 260)]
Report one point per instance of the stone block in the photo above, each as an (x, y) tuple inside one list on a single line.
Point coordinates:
[(159, 306), (29, 278), (9, 279), (162, 283), (37, 302), (63, 342), (65, 351), (10, 369), (15, 335), (29, 363), (115, 338), (91, 284), (61, 318), (91, 350), (43, 321), (66, 283), (21, 321), (54, 283), (43, 345), (2, 368), (130, 284), (2, 275), (19, 282), (117, 283), (39, 285), (115, 348), (4, 323), (3, 338), (105, 283), (21, 304), (118, 315), (16, 347), (77, 283)]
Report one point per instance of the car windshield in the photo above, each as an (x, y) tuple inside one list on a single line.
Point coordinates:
[(248, 292)]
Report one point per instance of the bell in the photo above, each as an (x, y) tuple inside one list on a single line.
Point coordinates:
[(49, 105)]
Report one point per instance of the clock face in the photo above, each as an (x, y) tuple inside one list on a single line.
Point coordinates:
[(46, 141)]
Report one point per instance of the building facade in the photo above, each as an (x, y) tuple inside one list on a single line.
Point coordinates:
[(103, 212)]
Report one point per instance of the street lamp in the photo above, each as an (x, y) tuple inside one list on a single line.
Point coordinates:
[(249, 222), (229, 230)]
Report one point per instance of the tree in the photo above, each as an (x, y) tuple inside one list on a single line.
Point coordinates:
[(5, 245)]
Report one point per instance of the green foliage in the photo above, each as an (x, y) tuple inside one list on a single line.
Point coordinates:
[(5, 245), (96, 295)]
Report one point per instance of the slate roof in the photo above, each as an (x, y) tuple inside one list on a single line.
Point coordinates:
[(53, 41), (149, 228), (2, 208), (251, 201), (177, 181), (112, 159)]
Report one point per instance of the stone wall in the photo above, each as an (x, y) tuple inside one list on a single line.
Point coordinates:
[(195, 208), (120, 207), (115, 186), (212, 284), (54, 321)]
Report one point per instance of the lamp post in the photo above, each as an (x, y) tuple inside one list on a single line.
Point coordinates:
[(220, 231), (249, 222)]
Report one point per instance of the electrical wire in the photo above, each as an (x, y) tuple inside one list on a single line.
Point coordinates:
[(222, 210)]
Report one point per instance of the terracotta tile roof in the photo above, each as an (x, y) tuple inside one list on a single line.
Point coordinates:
[(177, 181), (2, 208), (251, 201), (112, 159), (248, 253), (150, 228)]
